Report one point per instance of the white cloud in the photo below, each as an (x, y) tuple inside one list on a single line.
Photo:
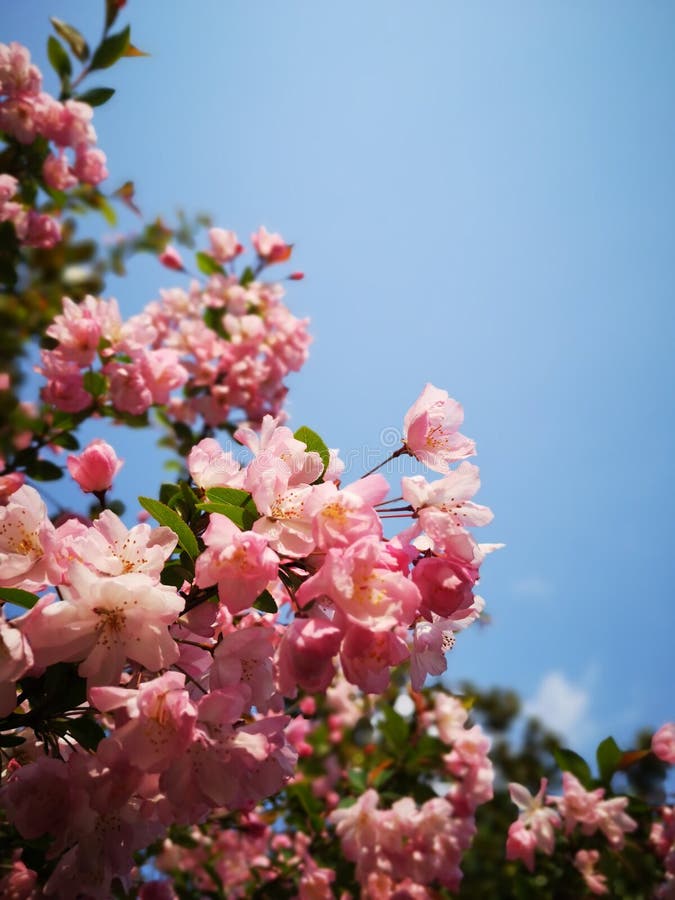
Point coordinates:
[(563, 707)]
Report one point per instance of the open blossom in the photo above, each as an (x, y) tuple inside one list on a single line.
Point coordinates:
[(211, 466), (430, 430), (95, 468), (270, 246), (155, 723), (239, 562), (361, 583), (224, 244), (534, 828), (104, 621), (24, 531)]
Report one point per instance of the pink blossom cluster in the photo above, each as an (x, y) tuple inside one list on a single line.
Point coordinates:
[(26, 113), (229, 347), (248, 852), (662, 839), (541, 815), (406, 847), (190, 684)]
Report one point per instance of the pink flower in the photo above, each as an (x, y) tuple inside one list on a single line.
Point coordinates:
[(306, 655), (24, 531), (171, 258), (224, 245), (103, 621), (90, 165), (95, 468), (271, 247), (663, 743), (57, 172), (156, 722), (534, 828), (430, 430), (361, 583), (367, 657), (210, 466), (585, 862), (239, 562)]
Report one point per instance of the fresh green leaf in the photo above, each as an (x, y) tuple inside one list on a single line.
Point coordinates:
[(266, 603), (24, 599), (43, 470), (228, 495), (96, 96), (166, 516), (72, 37), (569, 761), (110, 49), (313, 442), (247, 276), (167, 492), (87, 732), (609, 756), (394, 729), (58, 58), (357, 779), (95, 383), (207, 264), (242, 518)]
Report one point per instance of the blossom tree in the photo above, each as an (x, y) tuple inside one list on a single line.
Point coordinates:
[(239, 700)]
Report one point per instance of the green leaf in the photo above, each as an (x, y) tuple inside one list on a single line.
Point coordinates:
[(228, 495), (242, 518), (247, 276), (96, 96), (357, 779), (166, 516), (110, 49), (394, 729), (43, 470), (72, 37), (609, 756), (315, 443), (167, 492), (95, 383), (175, 574), (569, 761), (266, 603), (58, 58), (67, 440), (18, 597), (86, 731), (208, 265)]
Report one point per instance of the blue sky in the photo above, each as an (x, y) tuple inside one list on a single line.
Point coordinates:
[(483, 197)]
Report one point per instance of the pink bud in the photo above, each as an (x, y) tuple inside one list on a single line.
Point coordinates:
[(171, 258), (296, 276), (95, 468)]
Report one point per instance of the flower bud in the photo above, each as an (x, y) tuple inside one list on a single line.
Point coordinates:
[(95, 468)]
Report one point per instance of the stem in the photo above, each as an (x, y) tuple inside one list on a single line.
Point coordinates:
[(396, 453)]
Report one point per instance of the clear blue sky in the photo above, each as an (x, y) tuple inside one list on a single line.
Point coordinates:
[(482, 196)]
